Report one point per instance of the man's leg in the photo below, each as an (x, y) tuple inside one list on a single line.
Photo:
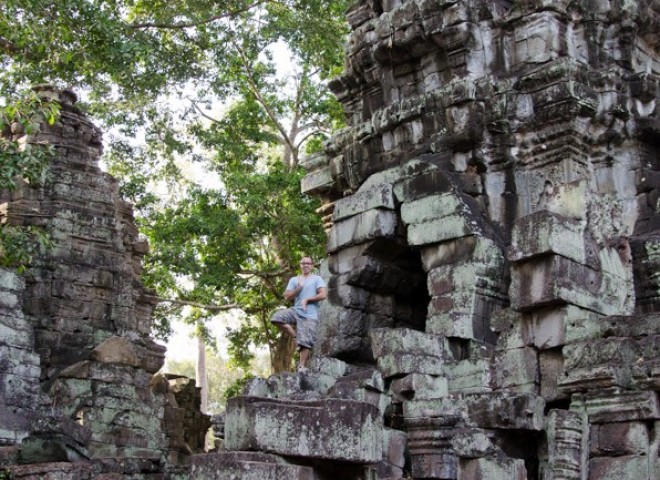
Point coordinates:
[(285, 327), (304, 356), (284, 319)]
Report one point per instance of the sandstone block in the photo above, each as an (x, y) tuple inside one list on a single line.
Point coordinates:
[(492, 467), (116, 350), (58, 470), (246, 466), (617, 439), (474, 443), (325, 429), (484, 410), (555, 280), (361, 228), (10, 281), (430, 208), (469, 376), (551, 367), (394, 447), (556, 326), (517, 368), (383, 277), (319, 180), (477, 249), (398, 364), (629, 467), (377, 197), (390, 341), (341, 262), (544, 233), (418, 386), (436, 231), (342, 332), (431, 451), (614, 405)]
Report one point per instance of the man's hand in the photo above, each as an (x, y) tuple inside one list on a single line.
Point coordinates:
[(303, 304)]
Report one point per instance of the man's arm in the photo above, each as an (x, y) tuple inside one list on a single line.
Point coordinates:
[(292, 294), (321, 294)]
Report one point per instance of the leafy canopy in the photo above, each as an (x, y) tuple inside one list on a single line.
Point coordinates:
[(197, 85)]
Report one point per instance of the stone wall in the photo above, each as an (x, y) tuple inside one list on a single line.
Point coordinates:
[(77, 362), (493, 230)]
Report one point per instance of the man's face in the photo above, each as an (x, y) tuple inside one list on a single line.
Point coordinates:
[(306, 265)]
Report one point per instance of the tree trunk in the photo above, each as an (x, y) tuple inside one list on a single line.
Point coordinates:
[(282, 359), (200, 373)]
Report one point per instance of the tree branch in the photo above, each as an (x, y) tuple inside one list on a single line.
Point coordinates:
[(262, 101), (272, 274), (13, 49), (202, 113), (311, 134), (211, 308)]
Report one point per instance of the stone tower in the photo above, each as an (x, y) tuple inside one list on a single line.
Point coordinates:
[(493, 223), (78, 394)]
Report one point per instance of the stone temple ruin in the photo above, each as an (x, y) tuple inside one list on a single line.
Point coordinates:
[(493, 216)]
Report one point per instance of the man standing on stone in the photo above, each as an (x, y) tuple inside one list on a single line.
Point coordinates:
[(307, 290)]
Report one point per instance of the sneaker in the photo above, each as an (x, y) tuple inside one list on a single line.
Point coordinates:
[(302, 370)]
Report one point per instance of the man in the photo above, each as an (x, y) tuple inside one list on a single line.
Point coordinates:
[(307, 290)]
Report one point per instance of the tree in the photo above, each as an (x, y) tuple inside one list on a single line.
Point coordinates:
[(199, 81)]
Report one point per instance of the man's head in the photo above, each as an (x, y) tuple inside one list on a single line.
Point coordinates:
[(306, 265)]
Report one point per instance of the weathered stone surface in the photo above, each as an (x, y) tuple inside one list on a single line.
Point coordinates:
[(431, 452), (54, 471), (613, 405), (517, 369), (616, 439), (625, 467), (543, 233), (553, 280), (378, 196), (420, 387), (325, 429), (361, 228), (404, 351), (492, 467), (116, 350), (246, 466), (469, 376), (488, 410)]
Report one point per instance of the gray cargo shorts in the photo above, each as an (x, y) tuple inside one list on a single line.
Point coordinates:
[(305, 327)]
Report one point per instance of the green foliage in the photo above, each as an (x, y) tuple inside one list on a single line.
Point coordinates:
[(23, 115), (27, 162), (19, 244)]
